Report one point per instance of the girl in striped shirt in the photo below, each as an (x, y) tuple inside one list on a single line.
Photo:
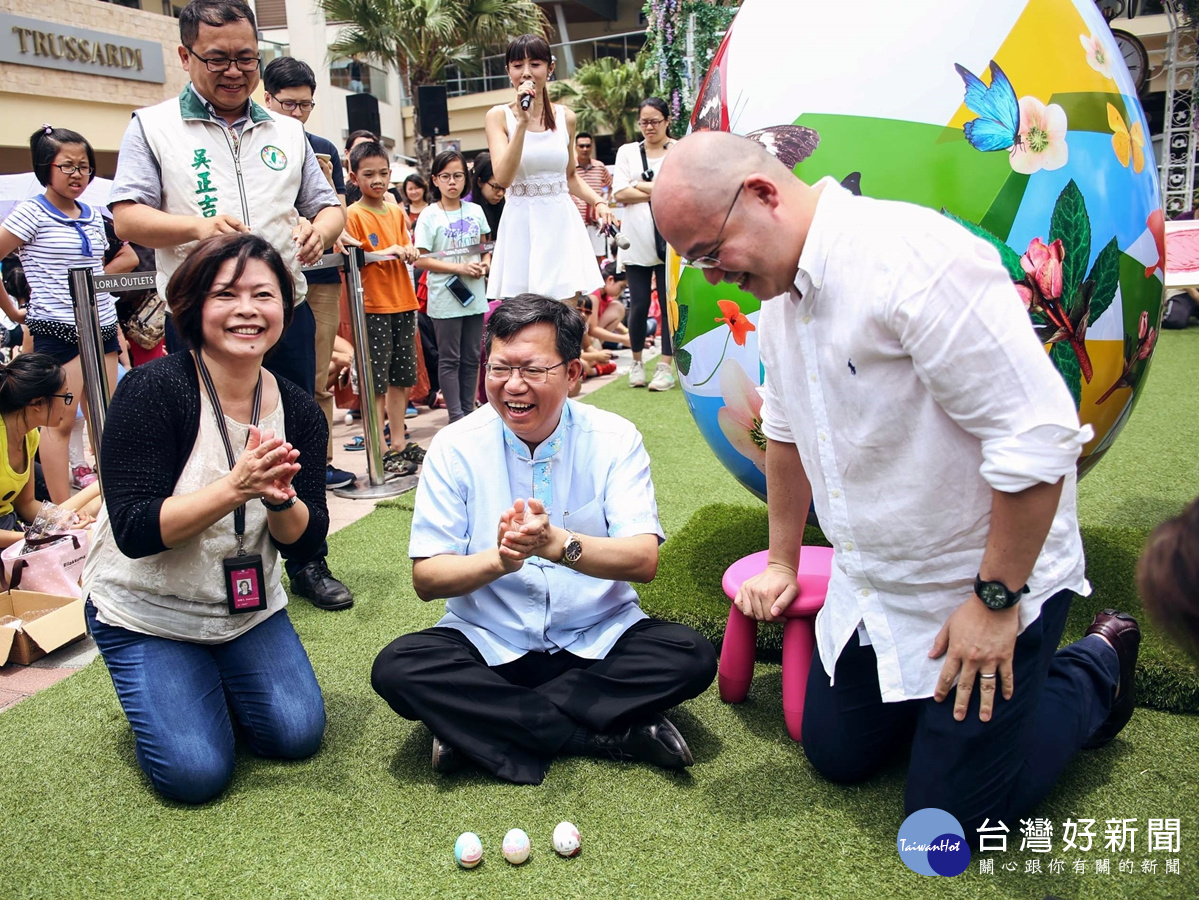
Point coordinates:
[(51, 233)]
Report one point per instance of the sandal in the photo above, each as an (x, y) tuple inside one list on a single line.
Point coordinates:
[(358, 443), (394, 465), (413, 452)]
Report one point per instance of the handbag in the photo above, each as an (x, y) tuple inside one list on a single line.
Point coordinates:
[(54, 566), (659, 241), (148, 325)]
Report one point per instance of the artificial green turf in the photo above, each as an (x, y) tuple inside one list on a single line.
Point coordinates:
[(367, 818)]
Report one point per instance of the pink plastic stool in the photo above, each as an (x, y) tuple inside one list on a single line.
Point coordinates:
[(799, 632)]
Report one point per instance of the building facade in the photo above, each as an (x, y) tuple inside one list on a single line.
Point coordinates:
[(87, 64)]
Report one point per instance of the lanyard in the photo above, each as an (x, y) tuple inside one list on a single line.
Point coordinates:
[(239, 514)]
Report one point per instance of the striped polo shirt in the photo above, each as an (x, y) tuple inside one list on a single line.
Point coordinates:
[(594, 175)]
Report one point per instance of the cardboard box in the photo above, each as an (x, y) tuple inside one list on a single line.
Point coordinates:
[(34, 639)]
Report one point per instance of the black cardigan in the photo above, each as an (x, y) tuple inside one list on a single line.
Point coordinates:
[(149, 432)]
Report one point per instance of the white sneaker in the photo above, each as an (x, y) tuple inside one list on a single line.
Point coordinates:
[(637, 374), (663, 378)]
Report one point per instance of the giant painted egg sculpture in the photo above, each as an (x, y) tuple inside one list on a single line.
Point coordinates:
[(1018, 118)]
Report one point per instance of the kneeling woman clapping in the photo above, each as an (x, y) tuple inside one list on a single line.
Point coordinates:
[(212, 468)]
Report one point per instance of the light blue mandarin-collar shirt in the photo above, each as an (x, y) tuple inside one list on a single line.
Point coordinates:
[(592, 474)]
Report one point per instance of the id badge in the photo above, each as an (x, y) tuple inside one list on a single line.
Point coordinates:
[(245, 583)]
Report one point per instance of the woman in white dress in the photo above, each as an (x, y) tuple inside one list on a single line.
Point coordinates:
[(542, 246)]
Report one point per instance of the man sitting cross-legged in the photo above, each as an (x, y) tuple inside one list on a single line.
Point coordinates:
[(532, 516)]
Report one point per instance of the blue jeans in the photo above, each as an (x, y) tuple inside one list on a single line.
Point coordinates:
[(178, 696), (971, 769)]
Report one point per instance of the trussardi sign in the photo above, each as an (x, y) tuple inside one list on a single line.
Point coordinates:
[(30, 42)]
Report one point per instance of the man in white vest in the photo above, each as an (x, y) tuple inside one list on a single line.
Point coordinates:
[(212, 161)]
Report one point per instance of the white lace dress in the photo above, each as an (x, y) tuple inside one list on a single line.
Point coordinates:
[(542, 246)]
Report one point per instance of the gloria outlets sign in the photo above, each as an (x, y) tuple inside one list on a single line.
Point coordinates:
[(51, 45)]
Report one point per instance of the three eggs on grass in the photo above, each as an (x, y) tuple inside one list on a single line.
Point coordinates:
[(468, 849)]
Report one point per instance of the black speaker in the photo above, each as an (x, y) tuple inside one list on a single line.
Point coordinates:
[(434, 116), (362, 113)]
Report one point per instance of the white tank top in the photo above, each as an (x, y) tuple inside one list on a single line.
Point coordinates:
[(545, 153)]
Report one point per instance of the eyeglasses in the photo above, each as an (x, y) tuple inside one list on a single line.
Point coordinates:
[(69, 169), (221, 64), (709, 261), (496, 186), (650, 123), (452, 176), (528, 374), (68, 398), (293, 105)]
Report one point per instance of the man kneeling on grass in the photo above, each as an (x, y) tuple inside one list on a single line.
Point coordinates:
[(532, 516)]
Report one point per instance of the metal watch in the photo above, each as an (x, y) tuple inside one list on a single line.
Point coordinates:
[(279, 507), (995, 594), (572, 551)]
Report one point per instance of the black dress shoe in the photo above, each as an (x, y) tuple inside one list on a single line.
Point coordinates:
[(656, 741), (316, 583), (446, 760), (1124, 634)]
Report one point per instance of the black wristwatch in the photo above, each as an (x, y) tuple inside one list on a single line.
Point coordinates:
[(572, 551), (995, 593), (280, 507)]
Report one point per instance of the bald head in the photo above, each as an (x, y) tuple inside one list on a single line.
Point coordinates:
[(702, 171), (709, 175)]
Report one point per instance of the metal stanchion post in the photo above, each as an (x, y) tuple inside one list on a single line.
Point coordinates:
[(378, 486), (91, 354)]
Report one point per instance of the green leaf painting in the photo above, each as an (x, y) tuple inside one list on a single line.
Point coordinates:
[(680, 333), (1071, 225), (1106, 276), (1066, 360), (682, 359)]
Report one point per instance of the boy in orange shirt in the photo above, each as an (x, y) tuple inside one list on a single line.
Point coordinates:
[(388, 296)]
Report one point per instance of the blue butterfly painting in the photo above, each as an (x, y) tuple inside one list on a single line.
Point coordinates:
[(998, 124)]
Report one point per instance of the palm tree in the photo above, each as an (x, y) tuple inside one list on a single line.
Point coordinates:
[(605, 93), (420, 37)]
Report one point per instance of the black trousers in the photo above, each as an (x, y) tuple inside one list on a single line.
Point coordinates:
[(512, 719), (639, 303), (997, 770)]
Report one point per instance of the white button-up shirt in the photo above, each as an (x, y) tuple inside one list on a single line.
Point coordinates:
[(905, 369), (594, 472)]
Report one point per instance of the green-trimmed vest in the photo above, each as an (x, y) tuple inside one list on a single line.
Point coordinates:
[(207, 170)]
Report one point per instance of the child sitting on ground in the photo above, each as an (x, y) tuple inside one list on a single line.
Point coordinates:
[(605, 312), (388, 296), (596, 360)]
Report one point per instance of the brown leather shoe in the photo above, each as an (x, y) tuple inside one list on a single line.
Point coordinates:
[(656, 741), (446, 760), (1124, 634)]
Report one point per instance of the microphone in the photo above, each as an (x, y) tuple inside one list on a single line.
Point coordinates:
[(526, 100), (621, 241)]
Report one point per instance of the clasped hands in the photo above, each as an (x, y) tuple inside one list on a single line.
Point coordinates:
[(265, 468), (524, 530), (974, 640)]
